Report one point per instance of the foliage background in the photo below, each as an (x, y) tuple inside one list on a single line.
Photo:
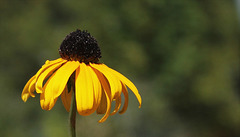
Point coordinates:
[(182, 55)]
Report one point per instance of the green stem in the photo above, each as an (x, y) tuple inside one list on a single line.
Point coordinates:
[(72, 115)]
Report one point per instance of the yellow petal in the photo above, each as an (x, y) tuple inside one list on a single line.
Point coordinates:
[(42, 102), (108, 102), (117, 105), (66, 98), (97, 88), (102, 108), (125, 93), (45, 74), (25, 93), (114, 82), (31, 87), (56, 84), (59, 79), (48, 64), (84, 91), (46, 101), (127, 82), (107, 94), (52, 103)]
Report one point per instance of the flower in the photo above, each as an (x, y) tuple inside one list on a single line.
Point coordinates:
[(78, 70)]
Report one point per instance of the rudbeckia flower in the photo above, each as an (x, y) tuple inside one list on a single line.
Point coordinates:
[(95, 85)]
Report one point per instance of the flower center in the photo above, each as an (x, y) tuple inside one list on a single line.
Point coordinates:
[(80, 46)]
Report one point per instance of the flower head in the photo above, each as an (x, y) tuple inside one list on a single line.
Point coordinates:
[(95, 85)]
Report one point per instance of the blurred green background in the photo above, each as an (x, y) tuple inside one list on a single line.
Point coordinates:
[(183, 56)]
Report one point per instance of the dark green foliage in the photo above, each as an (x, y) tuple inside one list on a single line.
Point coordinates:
[(183, 57)]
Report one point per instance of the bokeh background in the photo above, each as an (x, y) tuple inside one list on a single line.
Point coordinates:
[(183, 55)]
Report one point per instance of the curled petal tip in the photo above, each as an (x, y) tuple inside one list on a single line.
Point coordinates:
[(38, 90), (101, 121), (140, 103), (33, 95), (24, 100), (25, 97)]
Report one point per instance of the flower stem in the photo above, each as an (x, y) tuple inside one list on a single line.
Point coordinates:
[(72, 115)]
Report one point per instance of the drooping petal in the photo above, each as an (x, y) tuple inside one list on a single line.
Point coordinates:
[(45, 74), (108, 98), (102, 108), (127, 82), (31, 87), (97, 88), (66, 98), (25, 93), (117, 105), (107, 94), (125, 93), (59, 79), (84, 90), (56, 84), (114, 82), (47, 103), (48, 64), (43, 101), (52, 103)]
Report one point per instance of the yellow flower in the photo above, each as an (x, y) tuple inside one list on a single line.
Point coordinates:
[(95, 85)]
